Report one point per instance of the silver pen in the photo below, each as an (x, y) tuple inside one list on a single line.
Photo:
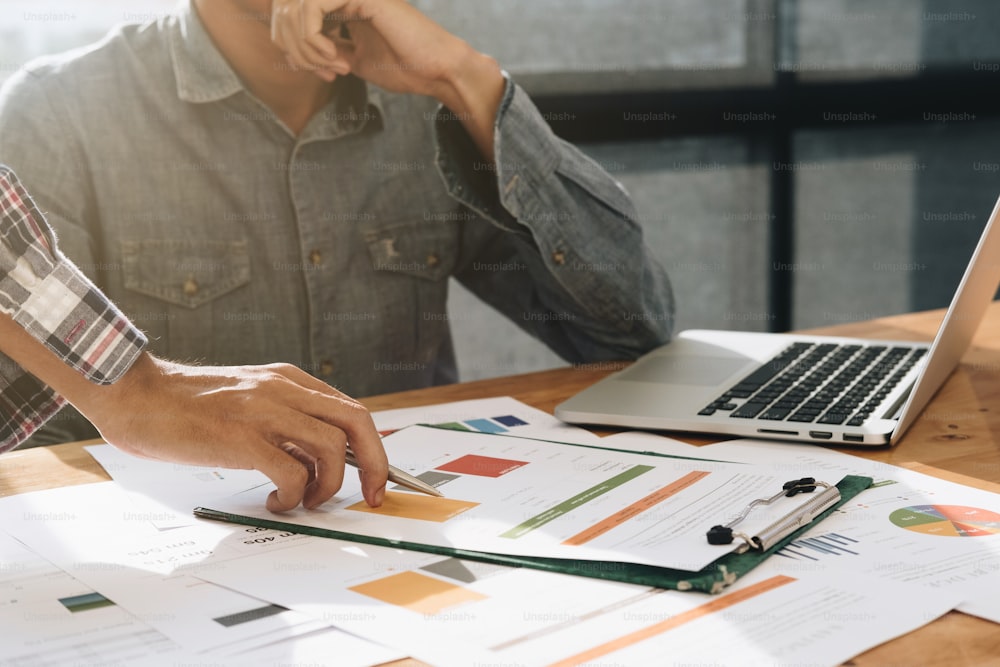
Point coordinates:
[(399, 477)]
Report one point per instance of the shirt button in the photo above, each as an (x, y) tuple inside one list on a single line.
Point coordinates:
[(190, 286), (326, 367), (559, 257), (315, 258), (432, 260)]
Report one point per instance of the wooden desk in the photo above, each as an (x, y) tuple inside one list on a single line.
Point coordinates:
[(957, 438)]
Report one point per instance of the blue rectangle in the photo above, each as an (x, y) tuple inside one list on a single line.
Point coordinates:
[(510, 420), (486, 426)]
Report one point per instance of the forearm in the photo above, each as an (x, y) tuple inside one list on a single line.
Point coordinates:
[(618, 307), (29, 353), (473, 92), (589, 287)]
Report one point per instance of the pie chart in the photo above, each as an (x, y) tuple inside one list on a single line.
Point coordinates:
[(947, 520)]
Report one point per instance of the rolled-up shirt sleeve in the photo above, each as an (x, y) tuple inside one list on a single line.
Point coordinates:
[(52, 300), (584, 280)]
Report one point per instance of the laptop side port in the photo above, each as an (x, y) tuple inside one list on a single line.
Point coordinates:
[(776, 431), (853, 437), (820, 435)]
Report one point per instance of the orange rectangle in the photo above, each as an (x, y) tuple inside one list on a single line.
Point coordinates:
[(638, 507), (716, 605), (416, 506), (417, 592)]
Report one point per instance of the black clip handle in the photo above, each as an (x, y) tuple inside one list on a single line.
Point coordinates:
[(796, 486), (720, 535)]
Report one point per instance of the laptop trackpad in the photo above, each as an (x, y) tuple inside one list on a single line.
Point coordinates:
[(704, 371)]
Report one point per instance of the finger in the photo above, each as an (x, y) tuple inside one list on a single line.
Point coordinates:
[(317, 399), (305, 458), (279, 15), (290, 34), (313, 32), (287, 472), (313, 18), (356, 423), (327, 452), (319, 448), (289, 41), (366, 444), (315, 56), (327, 54), (285, 24), (339, 57)]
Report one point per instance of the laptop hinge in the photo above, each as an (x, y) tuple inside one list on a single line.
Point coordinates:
[(896, 409)]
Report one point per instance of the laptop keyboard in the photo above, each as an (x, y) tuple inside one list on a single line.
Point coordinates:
[(822, 383)]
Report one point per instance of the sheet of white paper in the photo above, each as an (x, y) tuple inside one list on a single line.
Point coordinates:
[(531, 498), (328, 647), (910, 527), (450, 612), (84, 531), (502, 414), (650, 443), (165, 493), (50, 618), (984, 606)]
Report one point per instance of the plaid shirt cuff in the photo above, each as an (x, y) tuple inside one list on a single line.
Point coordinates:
[(49, 296)]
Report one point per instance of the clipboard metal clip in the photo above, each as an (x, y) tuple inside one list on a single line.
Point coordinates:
[(785, 525)]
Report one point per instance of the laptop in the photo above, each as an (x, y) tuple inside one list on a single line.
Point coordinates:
[(819, 389)]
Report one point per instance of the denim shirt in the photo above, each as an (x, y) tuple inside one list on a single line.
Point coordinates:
[(230, 240)]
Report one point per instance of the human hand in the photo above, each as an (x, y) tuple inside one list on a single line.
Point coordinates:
[(387, 42), (276, 419), (392, 45)]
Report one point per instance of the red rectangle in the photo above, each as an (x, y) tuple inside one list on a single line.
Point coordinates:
[(483, 466)]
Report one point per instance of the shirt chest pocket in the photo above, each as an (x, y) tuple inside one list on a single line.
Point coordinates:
[(410, 266), (422, 249), (185, 273)]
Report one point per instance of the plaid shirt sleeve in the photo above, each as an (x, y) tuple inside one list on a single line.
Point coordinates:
[(54, 302)]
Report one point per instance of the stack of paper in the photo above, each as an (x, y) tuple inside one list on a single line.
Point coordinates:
[(132, 574)]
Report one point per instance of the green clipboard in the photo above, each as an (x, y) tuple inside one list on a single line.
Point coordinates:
[(712, 579)]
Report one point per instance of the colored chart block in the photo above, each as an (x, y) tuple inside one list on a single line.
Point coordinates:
[(432, 477), (454, 426), (85, 602), (485, 426), (416, 506), (482, 466), (417, 592), (714, 606), (249, 615), (510, 421), (942, 528), (628, 513), (947, 520), (571, 504)]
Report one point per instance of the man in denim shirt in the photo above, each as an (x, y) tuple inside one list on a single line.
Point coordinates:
[(252, 183)]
